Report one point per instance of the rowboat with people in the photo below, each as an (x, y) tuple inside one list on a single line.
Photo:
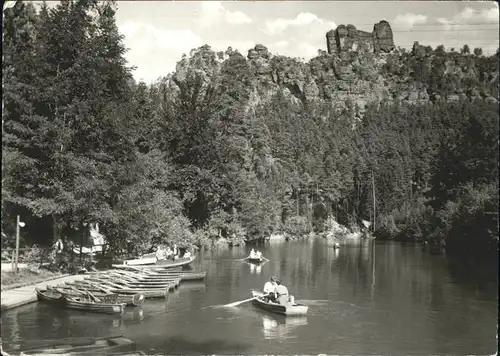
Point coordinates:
[(255, 257), (289, 309)]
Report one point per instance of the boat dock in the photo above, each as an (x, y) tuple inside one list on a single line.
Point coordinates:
[(17, 297), (125, 283)]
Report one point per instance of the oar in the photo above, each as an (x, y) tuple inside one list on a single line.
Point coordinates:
[(243, 259), (241, 302), (93, 297)]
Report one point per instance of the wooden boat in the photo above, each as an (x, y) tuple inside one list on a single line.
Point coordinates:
[(82, 346), (148, 293), (145, 270), (77, 290), (189, 276), (289, 309), (123, 283), (140, 261), (152, 277), (149, 263), (50, 296), (86, 304), (255, 259)]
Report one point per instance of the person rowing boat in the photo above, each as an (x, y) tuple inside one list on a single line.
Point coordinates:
[(269, 289)]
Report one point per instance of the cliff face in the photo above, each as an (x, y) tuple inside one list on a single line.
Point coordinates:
[(359, 68), (348, 38)]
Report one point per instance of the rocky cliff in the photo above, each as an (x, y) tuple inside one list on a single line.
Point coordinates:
[(358, 68), (348, 38)]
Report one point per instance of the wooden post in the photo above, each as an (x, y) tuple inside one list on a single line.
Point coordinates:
[(298, 195), (81, 240), (374, 202), (17, 245), (307, 206)]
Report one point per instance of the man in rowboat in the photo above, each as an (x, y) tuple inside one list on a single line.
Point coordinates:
[(269, 288)]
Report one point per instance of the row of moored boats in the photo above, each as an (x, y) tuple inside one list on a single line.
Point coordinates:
[(111, 291)]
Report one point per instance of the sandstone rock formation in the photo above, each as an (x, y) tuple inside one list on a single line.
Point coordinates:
[(356, 71), (383, 38), (348, 38), (259, 51)]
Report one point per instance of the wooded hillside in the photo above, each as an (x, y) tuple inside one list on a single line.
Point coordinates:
[(236, 147)]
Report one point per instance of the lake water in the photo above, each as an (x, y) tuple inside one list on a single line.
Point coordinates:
[(367, 297)]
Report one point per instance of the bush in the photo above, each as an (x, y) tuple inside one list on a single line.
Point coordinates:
[(236, 234), (36, 256), (297, 226)]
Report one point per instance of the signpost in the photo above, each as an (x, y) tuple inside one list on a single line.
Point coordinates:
[(19, 225)]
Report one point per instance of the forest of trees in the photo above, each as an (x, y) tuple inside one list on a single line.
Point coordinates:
[(194, 157)]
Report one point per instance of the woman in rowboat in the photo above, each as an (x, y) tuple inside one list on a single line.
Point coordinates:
[(281, 293)]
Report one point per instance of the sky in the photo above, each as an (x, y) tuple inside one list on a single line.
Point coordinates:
[(158, 33)]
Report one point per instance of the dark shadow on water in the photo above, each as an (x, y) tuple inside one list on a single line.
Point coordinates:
[(180, 345), (476, 275)]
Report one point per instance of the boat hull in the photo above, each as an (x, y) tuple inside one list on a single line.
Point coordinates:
[(290, 309), (255, 260), (148, 293), (78, 303), (149, 263), (49, 296), (83, 346), (129, 300)]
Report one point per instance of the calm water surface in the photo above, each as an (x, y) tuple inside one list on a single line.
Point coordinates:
[(366, 298)]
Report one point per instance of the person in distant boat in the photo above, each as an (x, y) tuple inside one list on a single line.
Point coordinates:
[(168, 252), (160, 253), (187, 254), (252, 254), (258, 255), (175, 252), (269, 288), (281, 292)]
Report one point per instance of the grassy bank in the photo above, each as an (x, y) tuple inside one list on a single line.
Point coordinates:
[(25, 277)]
